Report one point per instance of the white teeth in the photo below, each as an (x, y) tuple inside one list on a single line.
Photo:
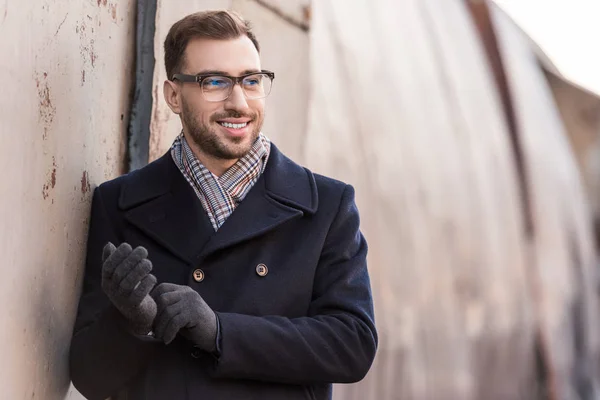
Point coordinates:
[(234, 126)]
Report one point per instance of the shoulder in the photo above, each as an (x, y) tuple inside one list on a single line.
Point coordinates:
[(299, 186), (148, 181)]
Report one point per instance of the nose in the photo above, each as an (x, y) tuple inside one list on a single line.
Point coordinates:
[(237, 100)]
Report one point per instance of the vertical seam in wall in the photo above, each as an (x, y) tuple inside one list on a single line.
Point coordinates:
[(138, 135), (489, 41)]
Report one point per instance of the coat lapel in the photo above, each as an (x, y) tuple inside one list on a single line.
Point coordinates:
[(161, 203), (284, 191)]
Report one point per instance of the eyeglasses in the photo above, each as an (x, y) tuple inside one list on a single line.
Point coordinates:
[(255, 85)]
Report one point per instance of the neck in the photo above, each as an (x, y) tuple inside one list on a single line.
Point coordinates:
[(217, 166)]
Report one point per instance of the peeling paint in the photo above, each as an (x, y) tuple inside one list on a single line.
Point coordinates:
[(113, 11), (93, 55), (85, 183), (53, 175), (51, 183), (47, 110), (86, 47)]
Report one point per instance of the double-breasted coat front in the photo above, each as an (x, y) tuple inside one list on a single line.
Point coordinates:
[(286, 275)]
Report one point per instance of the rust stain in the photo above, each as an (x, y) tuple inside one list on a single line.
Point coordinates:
[(85, 183), (51, 183), (47, 110), (93, 55), (306, 14), (86, 46), (113, 11), (53, 175)]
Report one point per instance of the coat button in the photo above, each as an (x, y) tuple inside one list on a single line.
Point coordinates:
[(198, 275), (262, 270)]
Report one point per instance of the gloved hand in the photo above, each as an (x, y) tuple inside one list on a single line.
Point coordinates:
[(181, 309), (127, 282)]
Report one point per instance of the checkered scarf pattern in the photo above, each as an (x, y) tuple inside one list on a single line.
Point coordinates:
[(221, 195)]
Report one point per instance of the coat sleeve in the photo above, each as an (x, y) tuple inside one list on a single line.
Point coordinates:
[(335, 343), (103, 355)]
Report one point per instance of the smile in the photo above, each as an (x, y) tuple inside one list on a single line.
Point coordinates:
[(233, 126)]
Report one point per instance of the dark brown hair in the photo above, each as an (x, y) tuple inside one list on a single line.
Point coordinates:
[(221, 24)]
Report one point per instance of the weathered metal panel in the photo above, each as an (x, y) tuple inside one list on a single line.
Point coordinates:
[(66, 75), (563, 262), (284, 49), (409, 113)]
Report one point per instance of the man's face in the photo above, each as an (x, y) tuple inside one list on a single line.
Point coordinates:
[(204, 120)]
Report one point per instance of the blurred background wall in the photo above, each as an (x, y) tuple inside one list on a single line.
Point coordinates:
[(474, 154)]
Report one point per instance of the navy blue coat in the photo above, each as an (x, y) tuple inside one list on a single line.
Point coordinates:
[(288, 335)]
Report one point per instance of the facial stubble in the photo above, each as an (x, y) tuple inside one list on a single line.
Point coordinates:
[(208, 140)]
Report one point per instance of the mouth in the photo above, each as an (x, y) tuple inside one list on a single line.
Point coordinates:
[(231, 125), (237, 128)]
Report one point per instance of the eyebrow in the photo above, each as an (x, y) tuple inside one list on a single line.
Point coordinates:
[(217, 72)]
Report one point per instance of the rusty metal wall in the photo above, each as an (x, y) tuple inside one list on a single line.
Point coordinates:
[(284, 49), (480, 243), (66, 71)]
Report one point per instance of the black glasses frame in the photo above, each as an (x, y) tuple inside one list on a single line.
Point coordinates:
[(236, 79)]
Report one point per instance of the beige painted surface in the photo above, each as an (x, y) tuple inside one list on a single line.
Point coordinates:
[(580, 112), (284, 50), (66, 74), (410, 117), (564, 265)]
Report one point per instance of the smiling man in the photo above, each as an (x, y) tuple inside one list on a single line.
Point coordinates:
[(223, 270)]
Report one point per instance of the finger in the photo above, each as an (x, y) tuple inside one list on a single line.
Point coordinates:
[(107, 251), (176, 323), (134, 277), (137, 255), (162, 289), (115, 259), (143, 289), (167, 300), (163, 318)]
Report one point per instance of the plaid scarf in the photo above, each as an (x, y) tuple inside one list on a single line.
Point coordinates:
[(221, 195)]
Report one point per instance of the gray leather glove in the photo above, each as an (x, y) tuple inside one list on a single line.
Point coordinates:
[(182, 310), (127, 281)]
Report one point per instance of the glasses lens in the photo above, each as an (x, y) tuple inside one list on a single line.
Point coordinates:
[(257, 86), (216, 88)]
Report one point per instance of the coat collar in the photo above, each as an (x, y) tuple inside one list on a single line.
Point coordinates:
[(160, 202)]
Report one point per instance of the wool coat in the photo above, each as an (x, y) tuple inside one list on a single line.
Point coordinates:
[(286, 275)]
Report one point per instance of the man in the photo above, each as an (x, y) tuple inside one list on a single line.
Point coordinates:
[(222, 270)]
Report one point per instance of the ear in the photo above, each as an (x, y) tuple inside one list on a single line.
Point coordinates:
[(171, 93)]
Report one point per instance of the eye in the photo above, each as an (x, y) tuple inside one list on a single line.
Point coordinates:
[(216, 82), (253, 80)]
